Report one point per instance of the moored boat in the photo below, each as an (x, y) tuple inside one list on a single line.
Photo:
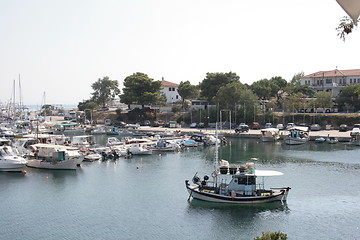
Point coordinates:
[(269, 134), (10, 161), (332, 140), (236, 185), (49, 156), (298, 135)]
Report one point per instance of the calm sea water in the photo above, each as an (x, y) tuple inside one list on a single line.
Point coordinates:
[(145, 197)]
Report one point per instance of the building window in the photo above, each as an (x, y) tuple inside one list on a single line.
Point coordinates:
[(177, 97), (169, 88), (173, 89), (350, 80), (358, 80), (328, 80)]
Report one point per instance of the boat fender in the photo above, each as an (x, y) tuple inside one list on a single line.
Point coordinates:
[(233, 194), (206, 177), (213, 174)]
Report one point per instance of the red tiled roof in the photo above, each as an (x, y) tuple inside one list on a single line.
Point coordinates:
[(168, 84), (334, 73)]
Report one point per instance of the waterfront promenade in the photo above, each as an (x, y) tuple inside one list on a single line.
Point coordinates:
[(342, 136)]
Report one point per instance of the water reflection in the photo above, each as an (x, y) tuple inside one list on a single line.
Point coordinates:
[(237, 219)]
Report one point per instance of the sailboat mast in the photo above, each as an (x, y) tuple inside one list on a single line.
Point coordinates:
[(20, 97), (14, 100)]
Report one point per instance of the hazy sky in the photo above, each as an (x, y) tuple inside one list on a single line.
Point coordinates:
[(61, 47)]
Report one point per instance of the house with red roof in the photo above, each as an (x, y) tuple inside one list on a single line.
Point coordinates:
[(331, 81), (170, 90)]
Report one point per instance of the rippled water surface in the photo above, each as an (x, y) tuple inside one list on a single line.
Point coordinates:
[(145, 197)]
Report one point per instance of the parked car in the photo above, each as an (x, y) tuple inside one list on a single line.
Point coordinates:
[(201, 125), (119, 124), (255, 125), (228, 125), (154, 124), (166, 124), (343, 128), (280, 126), (268, 125), (145, 123), (242, 128), (315, 127), (193, 125)]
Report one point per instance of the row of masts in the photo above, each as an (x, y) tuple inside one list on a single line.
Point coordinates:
[(14, 109)]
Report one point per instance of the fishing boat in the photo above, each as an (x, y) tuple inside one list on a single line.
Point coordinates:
[(269, 134), (236, 185), (49, 156), (298, 135), (10, 161)]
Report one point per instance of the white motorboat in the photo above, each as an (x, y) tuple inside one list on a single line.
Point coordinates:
[(332, 140), (269, 134), (355, 136), (82, 141), (298, 135), (10, 161), (236, 185), (139, 149), (114, 141), (98, 130), (166, 146), (49, 156), (91, 155), (320, 140)]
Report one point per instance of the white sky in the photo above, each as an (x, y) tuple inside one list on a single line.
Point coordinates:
[(61, 47)]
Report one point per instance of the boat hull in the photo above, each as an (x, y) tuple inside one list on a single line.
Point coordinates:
[(12, 167), (295, 141), (59, 165), (278, 195)]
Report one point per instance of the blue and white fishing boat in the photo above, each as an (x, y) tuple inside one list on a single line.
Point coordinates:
[(298, 135)]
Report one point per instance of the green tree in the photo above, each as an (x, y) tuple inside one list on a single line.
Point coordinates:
[(105, 90), (262, 88), (140, 89), (272, 236), (324, 100), (214, 81), (348, 98), (295, 102), (304, 89), (87, 104), (234, 94), (237, 98), (296, 78), (187, 91)]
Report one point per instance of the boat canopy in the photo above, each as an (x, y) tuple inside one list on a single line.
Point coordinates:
[(44, 145), (266, 173), (299, 128), (275, 130)]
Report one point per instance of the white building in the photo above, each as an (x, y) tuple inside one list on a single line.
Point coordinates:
[(332, 81), (170, 90)]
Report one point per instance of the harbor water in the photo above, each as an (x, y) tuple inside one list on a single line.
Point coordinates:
[(145, 197)]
